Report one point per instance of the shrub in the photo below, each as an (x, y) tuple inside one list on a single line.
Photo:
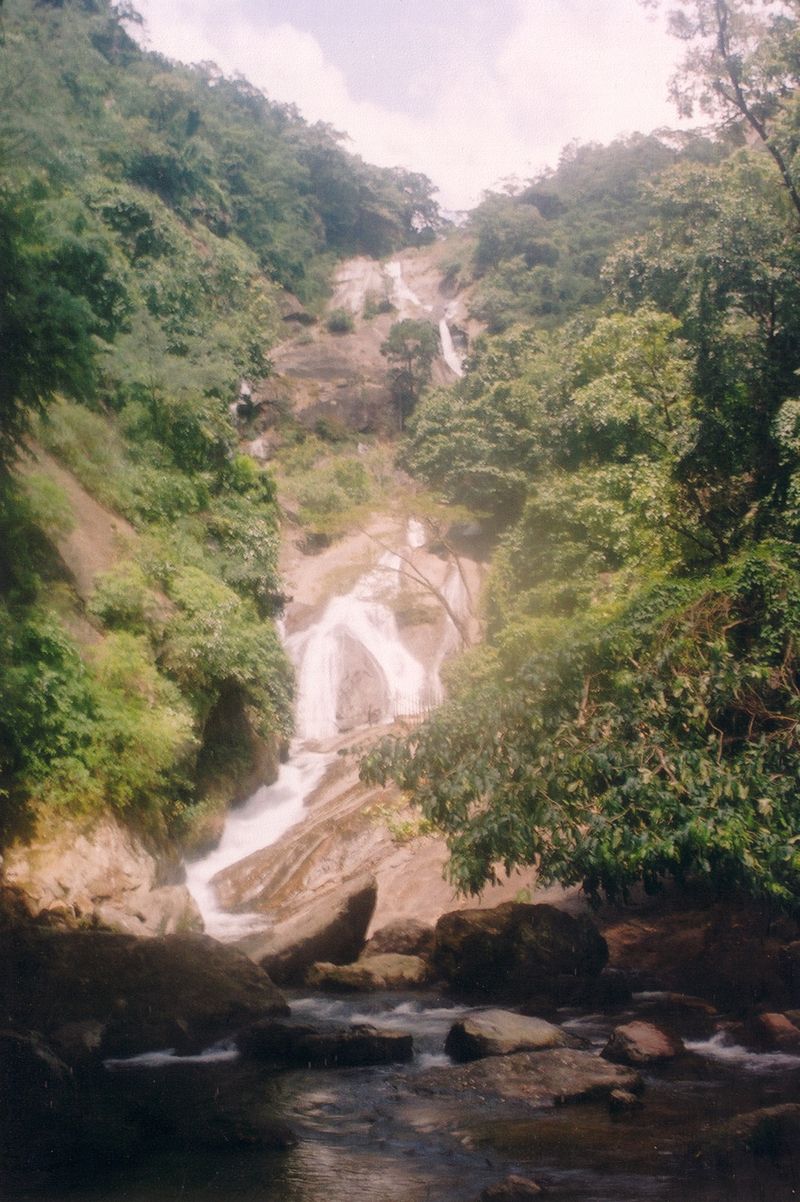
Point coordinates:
[(340, 321)]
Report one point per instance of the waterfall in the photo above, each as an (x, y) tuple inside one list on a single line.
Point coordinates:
[(400, 289), (353, 670)]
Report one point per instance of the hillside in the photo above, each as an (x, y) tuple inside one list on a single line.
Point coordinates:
[(161, 227)]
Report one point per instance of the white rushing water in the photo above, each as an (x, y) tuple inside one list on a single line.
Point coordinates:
[(353, 668), (449, 352), (402, 295)]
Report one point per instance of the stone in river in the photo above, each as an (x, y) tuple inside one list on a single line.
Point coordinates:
[(554, 1077), (371, 973), (518, 950), (100, 994), (642, 1043), (331, 928), (290, 1043), (500, 1033)]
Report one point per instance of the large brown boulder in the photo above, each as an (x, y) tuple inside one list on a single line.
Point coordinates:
[(773, 1032), (331, 928), (122, 995), (640, 1043), (501, 1033), (518, 950)]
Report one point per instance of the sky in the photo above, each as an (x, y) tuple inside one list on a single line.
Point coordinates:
[(471, 92)]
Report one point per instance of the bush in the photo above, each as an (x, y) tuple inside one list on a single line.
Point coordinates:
[(340, 321)]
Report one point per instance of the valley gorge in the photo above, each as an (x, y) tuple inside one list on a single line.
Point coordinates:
[(399, 642)]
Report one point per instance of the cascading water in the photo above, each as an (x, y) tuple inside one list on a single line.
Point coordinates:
[(402, 295), (449, 352), (353, 669)]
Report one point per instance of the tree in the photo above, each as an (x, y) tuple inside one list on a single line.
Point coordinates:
[(410, 350), (743, 63), (46, 326)]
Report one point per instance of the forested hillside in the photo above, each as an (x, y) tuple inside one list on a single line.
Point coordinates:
[(151, 217), (631, 432)]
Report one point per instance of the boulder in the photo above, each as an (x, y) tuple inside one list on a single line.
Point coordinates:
[(371, 973), (500, 1033), (518, 950), (405, 937), (768, 1134), (554, 1077), (296, 1044), (37, 1102), (689, 1017), (622, 1101), (774, 1032), (197, 1106), (117, 995), (512, 1189), (640, 1043), (331, 928)]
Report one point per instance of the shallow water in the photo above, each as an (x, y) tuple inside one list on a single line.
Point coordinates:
[(365, 1135)]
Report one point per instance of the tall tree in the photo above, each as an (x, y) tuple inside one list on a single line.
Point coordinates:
[(743, 63), (46, 326), (410, 350)]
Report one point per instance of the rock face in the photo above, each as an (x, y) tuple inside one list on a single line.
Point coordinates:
[(363, 697), (500, 1033), (518, 950), (536, 1078), (104, 873), (332, 928), (288, 1043), (371, 973), (642, 1043), (108, 994)]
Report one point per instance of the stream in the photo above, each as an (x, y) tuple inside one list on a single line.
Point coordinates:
[(365, 1135)]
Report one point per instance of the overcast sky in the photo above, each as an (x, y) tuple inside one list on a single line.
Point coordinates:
[(471, 92)]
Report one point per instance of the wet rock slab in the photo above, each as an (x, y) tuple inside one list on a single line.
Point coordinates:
[(549, 1078), (291, 1044)]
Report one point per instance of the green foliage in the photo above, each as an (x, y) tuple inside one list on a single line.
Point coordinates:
[(538, 253), (340, 321), (46, 324), (79, 738), (634, 714), (214, 639), (410, 349), (663, 742)]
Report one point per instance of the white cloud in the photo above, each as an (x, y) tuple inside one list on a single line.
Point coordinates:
[(589, 69)]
